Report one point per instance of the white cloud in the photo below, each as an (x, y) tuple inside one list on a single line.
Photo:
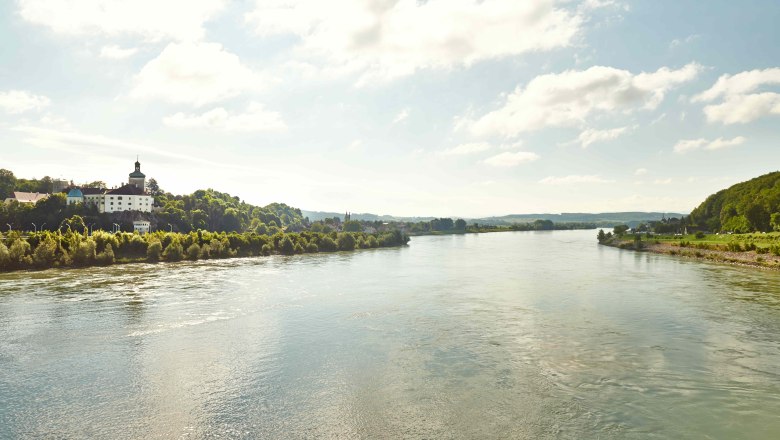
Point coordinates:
[(570, 97), (509, 159), (383, 40), (687, 40), (739, 105), (667, 181), (401, 116), (117, 53), (685, 146), (464, 149), (591, 136), (574, 179), (20, 101), (194, 73), (256, 118), (640, 172), (151, 19)]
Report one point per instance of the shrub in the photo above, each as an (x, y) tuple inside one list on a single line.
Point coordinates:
[(5, 256), (286, 246), (266, 249), (193, 252), (84, 254), (45, 253), (106, 257), (312, 248), (154, 251), (700, 235), (174, 251), (327, 244), (205, 252), (346, 242)]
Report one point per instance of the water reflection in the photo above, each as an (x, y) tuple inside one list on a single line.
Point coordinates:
[(513, 335)]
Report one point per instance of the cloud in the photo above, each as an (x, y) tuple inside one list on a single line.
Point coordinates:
[(20, 101), (150, 19), (117, 53), (509, 159), (667, 181), (194, 73), (255, 119), (591, 136), (640, 172), (685, 146), (383, 40), (569, 98), (739, 105), (574, 179), (401, 116), (464, 149), (687, 40)]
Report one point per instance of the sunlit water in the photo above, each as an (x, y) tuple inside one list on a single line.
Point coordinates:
[(510, 335)]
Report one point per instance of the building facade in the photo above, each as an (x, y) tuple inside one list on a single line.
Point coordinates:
[(129, 197)]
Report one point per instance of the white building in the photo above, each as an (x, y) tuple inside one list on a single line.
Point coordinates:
[(130, 197), (142, 226)]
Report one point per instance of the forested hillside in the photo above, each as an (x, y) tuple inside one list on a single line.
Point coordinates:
[(745, 207)]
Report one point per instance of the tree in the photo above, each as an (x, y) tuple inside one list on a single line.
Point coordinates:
[(601, 236), (353, 226), (99, 184), (153, 187), (460, 224), (346, 242), (7, 184), (620, 229), (775, 221)]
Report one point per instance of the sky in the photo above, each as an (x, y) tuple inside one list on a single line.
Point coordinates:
[(402, 107)]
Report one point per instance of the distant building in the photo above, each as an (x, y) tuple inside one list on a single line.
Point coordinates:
[(59, 185), (129, 197), (142, 226), (25, 197)]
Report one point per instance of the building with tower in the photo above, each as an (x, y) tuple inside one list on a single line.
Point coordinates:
[(129, 197)]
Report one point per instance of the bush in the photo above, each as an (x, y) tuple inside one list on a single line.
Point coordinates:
[(5, 256), (106, 257), (193, 252), (312, 248), (205, 252), (45, 253), (327, 244), (286, 246), (700, 235), (266, 249), (154, 251), (84, 254), (346, 242), (174, 251)]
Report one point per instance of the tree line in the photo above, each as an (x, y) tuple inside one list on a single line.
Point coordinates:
[(73, 248)]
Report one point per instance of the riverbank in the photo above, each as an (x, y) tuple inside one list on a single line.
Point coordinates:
[(45, 250), (753, 250)]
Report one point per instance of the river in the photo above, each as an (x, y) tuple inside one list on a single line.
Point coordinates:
[(506, 335)]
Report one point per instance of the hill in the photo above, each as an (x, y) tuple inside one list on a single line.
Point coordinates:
[(600, 219), (745, 207)]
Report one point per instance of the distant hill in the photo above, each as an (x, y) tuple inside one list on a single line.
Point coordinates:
[(745, 207), (602, 219)]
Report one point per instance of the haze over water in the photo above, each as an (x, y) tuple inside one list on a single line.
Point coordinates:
[(510, 335)]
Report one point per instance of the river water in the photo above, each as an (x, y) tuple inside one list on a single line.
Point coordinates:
[(506, 335)]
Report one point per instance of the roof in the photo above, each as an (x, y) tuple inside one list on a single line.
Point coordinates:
[(25, 197), (75, 192), (92, 191), (127, 190), (137, 174)]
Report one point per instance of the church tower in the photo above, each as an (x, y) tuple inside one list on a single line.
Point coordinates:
[(137, 178)]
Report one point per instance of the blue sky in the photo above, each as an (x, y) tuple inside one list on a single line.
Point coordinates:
[(438, 107)]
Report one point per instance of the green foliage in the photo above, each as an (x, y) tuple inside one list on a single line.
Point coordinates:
[(700, 235), (346, 242), (45, 253), (353, 226), (106, 257), (744, 207), (193, 252), (601, 236), (85, 253), (620, 229), (154, 251), (174, 251)]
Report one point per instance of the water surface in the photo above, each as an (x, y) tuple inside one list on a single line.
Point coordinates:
[(510, 335)]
